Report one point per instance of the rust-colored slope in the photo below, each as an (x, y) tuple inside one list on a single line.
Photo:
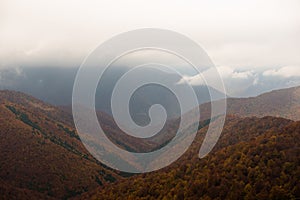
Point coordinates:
[(40, 151), (255, 158)]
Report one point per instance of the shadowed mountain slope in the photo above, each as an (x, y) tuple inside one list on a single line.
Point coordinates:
[(40, 152)]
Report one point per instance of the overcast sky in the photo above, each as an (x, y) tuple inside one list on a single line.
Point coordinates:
[(241, 37)]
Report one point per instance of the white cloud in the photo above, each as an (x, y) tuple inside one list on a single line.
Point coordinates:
[(192, 80), (242, 75), (225, 73), (234, 33), (286, 72), (235, 81), (250, 82)]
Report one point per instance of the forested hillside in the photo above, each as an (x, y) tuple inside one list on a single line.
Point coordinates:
[(41, 153), (254, 159)]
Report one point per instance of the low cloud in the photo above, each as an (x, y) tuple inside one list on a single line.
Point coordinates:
[(224, 72), (249, 82), (286, 72), (9, 77)]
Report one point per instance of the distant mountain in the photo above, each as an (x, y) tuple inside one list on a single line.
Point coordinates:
[(41, 155), (54, 85), (255, 158), (278, 103)]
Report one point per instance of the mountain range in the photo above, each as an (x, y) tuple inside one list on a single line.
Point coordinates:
[(257, 156)]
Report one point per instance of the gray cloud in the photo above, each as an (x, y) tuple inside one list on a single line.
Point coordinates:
[(239, 34), (256, 44)]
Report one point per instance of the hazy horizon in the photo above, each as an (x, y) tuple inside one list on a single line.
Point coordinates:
[(254, 45)]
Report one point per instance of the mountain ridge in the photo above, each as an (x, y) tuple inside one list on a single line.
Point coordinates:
[(42, 155), (41, 152), (255, 158), (278, 103)]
